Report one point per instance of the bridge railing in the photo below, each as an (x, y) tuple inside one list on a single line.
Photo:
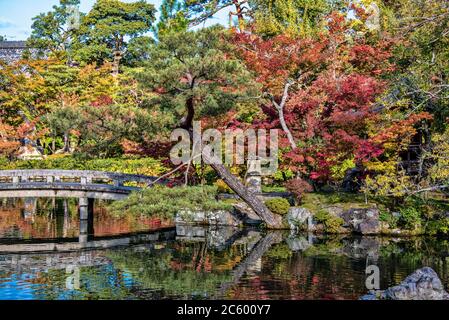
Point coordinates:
[(72, 176)]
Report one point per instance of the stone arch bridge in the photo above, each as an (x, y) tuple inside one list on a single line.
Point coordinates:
[(84, 185), (70, 184)]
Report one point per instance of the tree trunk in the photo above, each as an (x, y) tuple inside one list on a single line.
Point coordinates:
[(255, 254), (116, 63), (280, 108), (273, 221), (285, 128), (66, 142), (187, 124), (259, 207)]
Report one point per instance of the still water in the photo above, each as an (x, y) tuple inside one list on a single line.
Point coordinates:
[(41, 258)]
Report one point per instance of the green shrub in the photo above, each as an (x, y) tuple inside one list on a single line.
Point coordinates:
[(322, 216), (331, 224), (278, 205), (164, 202), (389, 218), (438, 227), (410, 218), (222, 187)]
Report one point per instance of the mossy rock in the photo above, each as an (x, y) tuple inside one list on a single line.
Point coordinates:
[(331, 223), (317, 202)]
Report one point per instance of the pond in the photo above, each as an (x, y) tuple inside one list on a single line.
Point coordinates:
[(146, 259)]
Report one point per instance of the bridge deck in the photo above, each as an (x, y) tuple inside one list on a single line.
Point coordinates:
[(69, 183)]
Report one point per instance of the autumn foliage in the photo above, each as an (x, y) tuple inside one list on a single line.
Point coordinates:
[(345, 95)]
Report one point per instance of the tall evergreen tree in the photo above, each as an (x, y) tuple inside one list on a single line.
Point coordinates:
[(106, 30), (55, 30), (195, 74), (173, 17)]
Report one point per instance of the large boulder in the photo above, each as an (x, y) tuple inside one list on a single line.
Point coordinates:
[(298, 217), (217, 218), (29, 152), (334, 210), (423, 284), (363, 221)]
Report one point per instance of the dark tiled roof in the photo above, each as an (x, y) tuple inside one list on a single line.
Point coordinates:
[(13, 45)]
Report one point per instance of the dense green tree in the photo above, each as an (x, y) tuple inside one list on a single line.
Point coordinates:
[(137, 51), (55, 30), (423, 57), (190, 72), (173, 17), (107, 29), (292, 16)]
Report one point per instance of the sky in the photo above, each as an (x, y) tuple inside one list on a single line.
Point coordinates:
[(16, 15)]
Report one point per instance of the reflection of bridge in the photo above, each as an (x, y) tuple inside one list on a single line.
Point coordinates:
[(69, 184), (83, 243), (39, 257), (21, 258), (85, 185)]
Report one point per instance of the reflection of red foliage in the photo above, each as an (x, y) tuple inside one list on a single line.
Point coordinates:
[(106, 225), (36, 226), (44, 226)]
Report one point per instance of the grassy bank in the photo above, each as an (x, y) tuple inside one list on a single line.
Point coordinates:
[(164, 202)]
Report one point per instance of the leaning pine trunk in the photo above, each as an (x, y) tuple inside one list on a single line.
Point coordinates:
[(254, 255), (272, 221), (259, 207)]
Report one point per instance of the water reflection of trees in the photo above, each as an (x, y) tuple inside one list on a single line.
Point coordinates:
[(400, 258), (180, 270), (266, 266), (32, 218), (334, 267), (96, 283), (330, 268)]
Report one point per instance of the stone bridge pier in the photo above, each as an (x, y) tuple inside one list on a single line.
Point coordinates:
[(86, 216)]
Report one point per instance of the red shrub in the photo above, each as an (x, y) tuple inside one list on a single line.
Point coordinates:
[(298, 187)]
